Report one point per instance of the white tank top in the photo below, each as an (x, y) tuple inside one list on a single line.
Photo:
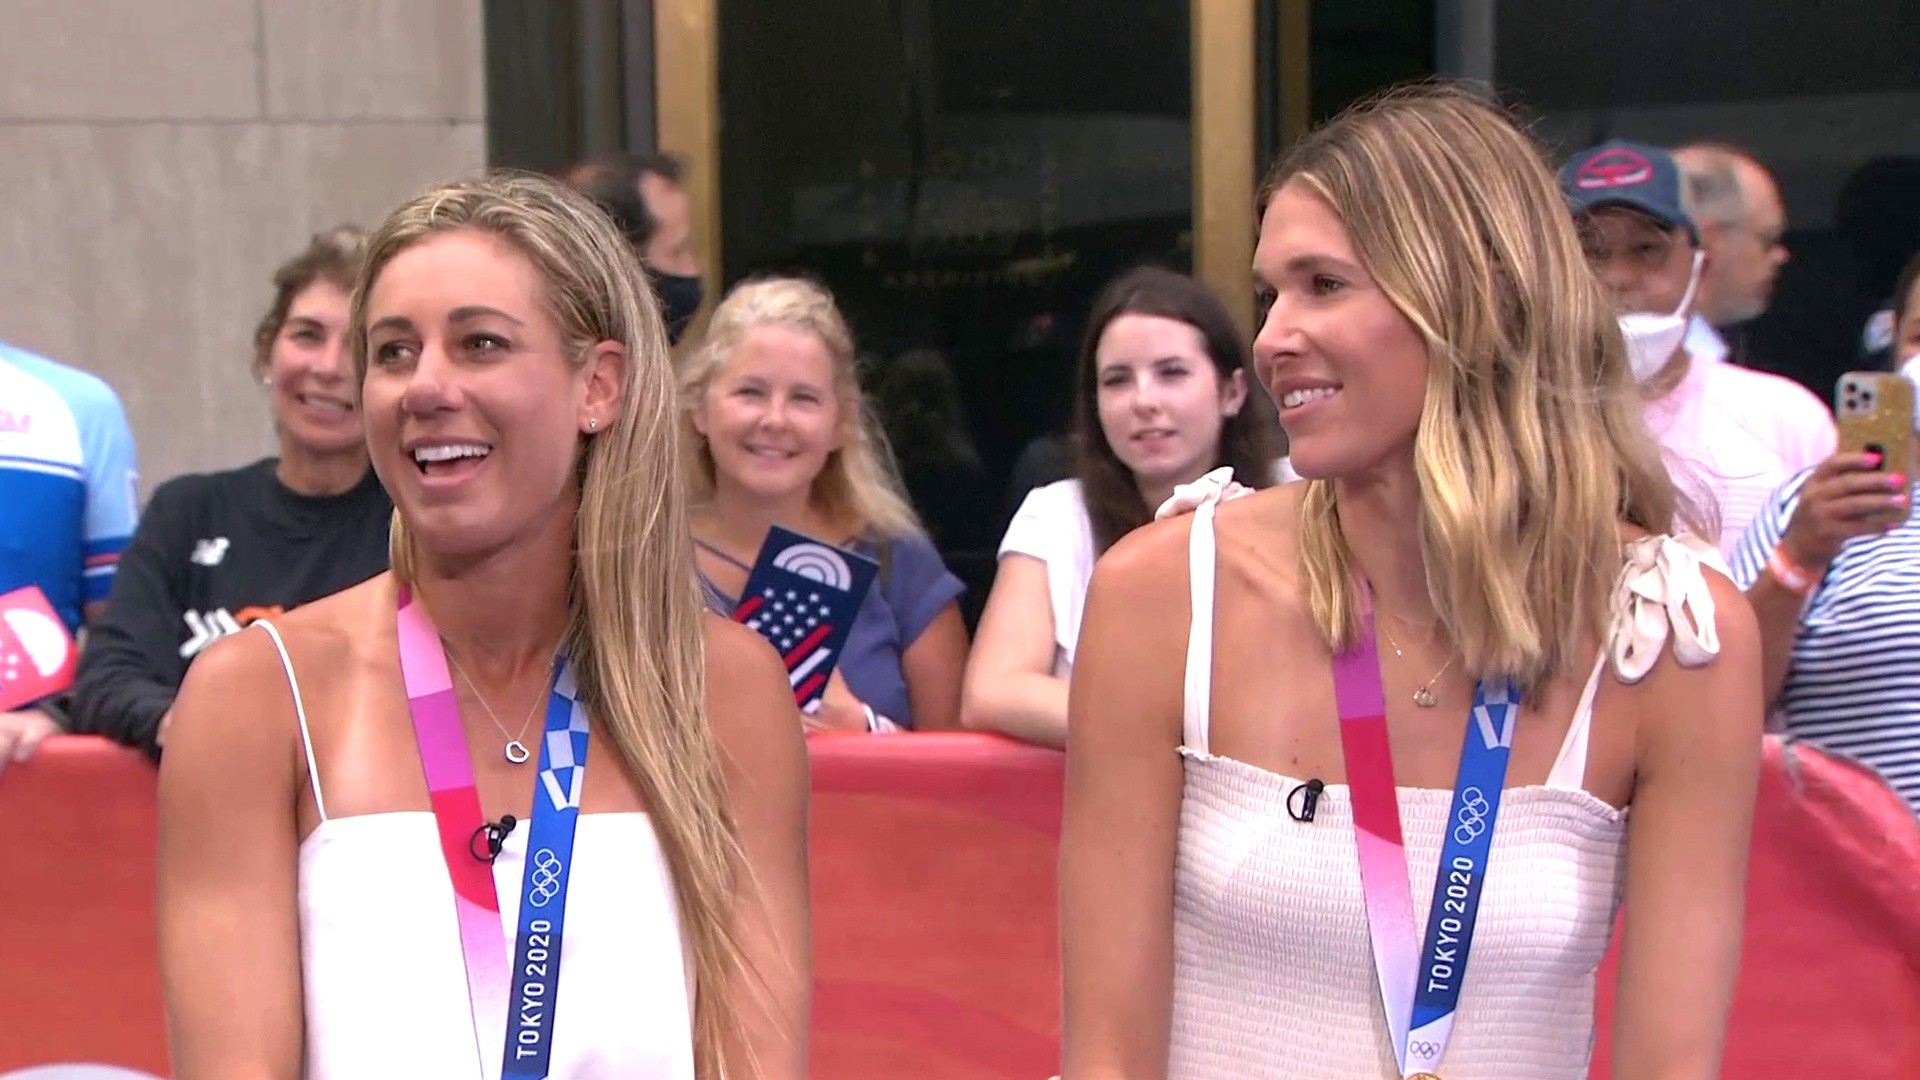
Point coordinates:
[(1273, 967), (385, 982)]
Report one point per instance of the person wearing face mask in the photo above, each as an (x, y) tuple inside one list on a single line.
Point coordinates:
[(1743, 227), (643, 195), (1160, 398), (780, 435), (1832, 568), (1731, 435), (215, 552)]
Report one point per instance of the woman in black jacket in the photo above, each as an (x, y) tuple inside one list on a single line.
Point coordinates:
[(215, 551)]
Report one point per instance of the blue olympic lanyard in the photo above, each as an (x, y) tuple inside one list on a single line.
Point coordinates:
[(535, 976), (1462, 873)]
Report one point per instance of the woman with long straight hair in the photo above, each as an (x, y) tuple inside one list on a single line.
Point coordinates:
[(1160, 399), (382, 850), (1351, 761)]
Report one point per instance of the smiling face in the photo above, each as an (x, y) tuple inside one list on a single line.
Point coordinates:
[(1160, 399), (771, 414), (309, 375), (1348, 370), (475, 405)]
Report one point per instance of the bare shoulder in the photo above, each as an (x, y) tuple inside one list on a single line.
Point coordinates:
[(233, 717), (240, 676), (749, 701), (1262, 529), (1157, 553), (237, 699), (1737, 626), (228, 684), (1150, 568), (1150, 559), (1686, 711), (329, 633)]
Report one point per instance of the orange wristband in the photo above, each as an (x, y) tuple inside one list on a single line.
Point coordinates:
[(1792, 577)]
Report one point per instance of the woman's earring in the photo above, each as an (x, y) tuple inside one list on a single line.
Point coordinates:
[(593, 424)]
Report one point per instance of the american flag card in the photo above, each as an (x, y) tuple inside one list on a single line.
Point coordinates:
[(802, 595)]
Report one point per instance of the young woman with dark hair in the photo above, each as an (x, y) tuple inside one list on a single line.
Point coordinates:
[(1160, 400)]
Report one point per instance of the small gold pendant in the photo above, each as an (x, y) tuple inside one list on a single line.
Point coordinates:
[(1424, 698), (1424, 1076)]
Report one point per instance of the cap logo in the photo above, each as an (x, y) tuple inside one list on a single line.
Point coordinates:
[(1614, 168)]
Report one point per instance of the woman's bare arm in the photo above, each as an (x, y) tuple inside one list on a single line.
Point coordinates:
[(1011, 687), (229, 853), (1699, 738), (932, 667), (1122, 811)]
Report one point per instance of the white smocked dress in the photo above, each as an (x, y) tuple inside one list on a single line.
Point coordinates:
[(1273, 966)]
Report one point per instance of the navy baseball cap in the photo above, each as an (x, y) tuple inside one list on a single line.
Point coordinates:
[(1635, 175)]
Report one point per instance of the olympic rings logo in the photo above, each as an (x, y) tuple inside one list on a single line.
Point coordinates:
[(543, 884), (1425, 1051), (1471, 820)]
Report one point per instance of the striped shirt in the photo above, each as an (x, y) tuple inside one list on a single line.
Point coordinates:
[(1854, 682)]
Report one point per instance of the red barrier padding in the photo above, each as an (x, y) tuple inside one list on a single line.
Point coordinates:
[(936, 949), (1830, 963), (935, 937), (79, 972)]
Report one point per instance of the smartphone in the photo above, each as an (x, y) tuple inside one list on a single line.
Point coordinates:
[(1875, 411)]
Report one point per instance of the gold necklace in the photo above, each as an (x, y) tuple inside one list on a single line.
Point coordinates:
[(1424, 696), (515, 751)]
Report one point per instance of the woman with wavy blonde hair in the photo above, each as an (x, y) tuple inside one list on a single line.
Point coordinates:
[(325, 911), (780, 434), (1413, 699)]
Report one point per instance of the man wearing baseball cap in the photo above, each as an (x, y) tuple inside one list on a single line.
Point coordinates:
[(1732, 435)]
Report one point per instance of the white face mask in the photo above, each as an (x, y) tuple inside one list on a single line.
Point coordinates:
[(1652, 339)]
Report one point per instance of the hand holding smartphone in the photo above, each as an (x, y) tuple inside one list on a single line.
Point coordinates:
[(1866, 486), (1875, 414)]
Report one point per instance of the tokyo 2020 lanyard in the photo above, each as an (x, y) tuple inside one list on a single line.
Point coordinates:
[(512, 1005), (1420, 995)]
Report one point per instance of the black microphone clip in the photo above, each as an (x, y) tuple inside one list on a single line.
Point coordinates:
[(1308, 801), (495, 836)]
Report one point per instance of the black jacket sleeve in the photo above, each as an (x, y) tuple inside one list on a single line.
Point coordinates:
[(131, 668)]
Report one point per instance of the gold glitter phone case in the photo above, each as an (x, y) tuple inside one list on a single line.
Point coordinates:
[(1875, 410)]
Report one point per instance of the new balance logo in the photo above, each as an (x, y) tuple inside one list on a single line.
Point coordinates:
[(204, 630), (210, 552)]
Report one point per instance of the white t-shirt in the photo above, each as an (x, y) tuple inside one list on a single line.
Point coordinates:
[(1735, 435), (1052, 526)]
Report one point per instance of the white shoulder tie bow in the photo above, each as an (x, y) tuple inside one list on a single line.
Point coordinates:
[(1217, 486), (1663, 592)]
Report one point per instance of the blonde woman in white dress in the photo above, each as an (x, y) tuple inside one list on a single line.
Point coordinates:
[(1473, 642), (520, 807)]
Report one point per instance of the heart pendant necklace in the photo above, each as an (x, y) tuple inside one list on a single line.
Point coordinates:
[(1424, 695), (515, 751)]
